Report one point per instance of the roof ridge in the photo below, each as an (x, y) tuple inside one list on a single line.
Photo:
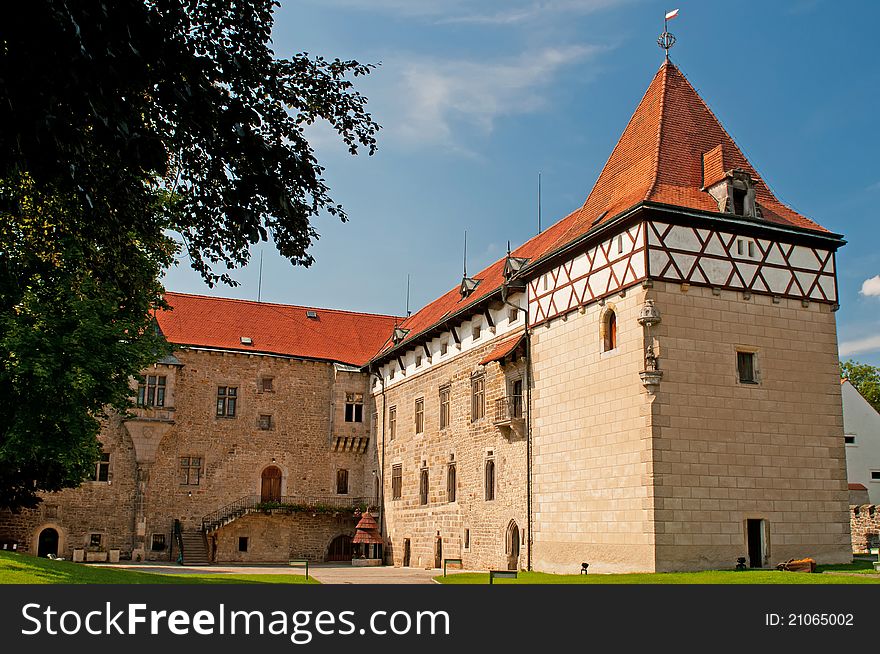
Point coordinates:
[(665, 69), (280, 304)]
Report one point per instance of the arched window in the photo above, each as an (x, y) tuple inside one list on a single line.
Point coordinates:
[(490, 480), (609, 331)]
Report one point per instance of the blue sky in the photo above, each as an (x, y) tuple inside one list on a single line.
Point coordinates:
[(475, 98)]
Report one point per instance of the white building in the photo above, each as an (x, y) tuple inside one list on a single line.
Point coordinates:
[(861, 428)]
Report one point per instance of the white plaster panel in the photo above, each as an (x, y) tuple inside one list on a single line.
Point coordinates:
[(717, 270), (777, 278), (682, 238), (803, 257)]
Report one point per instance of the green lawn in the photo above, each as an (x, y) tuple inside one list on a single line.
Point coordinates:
[(708, 577), (24, 569)]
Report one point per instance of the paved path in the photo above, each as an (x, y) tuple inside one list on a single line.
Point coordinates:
[(326, 573)]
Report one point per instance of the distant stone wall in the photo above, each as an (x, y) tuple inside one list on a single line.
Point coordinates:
[(865, 527)]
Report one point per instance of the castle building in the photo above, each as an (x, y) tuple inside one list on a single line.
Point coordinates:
[(650, 384)]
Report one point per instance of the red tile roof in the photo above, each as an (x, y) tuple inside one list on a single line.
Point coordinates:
[(858, 487), (659, 158), (343, 336), (504, 348)]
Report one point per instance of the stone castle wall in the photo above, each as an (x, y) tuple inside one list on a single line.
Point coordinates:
[(725, 451), (469, 444)]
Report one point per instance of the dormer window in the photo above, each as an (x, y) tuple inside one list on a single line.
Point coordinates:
[(468, 284), (732, 188)]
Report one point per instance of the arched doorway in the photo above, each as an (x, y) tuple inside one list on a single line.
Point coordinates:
[(512, 542), (270, 487), (340, 549), (48, 542)]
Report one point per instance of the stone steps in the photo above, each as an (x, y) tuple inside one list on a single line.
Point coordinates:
[(195, 548)]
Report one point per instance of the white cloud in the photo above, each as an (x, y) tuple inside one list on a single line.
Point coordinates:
[(860, 346), (871, 286), (491, 12), (431, 102)]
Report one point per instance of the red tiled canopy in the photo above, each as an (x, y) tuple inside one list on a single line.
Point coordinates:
[(504, 348), (367, 531)]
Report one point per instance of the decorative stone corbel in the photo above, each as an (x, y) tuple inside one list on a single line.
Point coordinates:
[(651, 375)]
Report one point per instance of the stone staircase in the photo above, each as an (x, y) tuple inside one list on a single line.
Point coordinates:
[(195, 548)]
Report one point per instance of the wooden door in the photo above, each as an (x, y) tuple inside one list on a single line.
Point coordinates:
[(270, 488)]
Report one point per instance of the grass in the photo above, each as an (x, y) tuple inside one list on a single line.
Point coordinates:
[(707, 577), (25, 569), (860, 565)]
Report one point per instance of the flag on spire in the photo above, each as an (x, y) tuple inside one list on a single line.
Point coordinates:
[(671, 14)]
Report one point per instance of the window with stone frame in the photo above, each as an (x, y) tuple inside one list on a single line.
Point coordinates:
[(746, 368), (157, 542), (423, 486), (243, 543), (467, 540), (342, 481), (354, 407), (267, 384), (420, 415), (95, 540), (392, 423), (265, 422), (190, 470), (451, 483), (227, 401), (478, 397), (444, 407), (396, 481), (609, 331), (102, 468), (151, 391), (490, 479)]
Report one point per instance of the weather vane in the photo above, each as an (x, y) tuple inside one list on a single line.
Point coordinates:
[(667, 40)]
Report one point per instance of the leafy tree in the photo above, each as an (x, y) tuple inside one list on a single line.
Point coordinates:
[(865, 378), (125, 122)]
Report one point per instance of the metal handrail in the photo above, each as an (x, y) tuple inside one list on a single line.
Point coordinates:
[(177, 537), (509, 407), (251, 503)]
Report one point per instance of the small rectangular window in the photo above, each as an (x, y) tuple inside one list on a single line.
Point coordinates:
[(745, 366), (478, 398), (451, 483), (620, 244), (420, 415), (513, 315), (265, 422), (190, 470), (392, 423), (396, 481), (423, 486), (102, 468), (418, 361), (242, 543), (477, 331), (875, 475), (751, 248), (354, 407), (467, 539), (849, 439), (342, 482), (227, 399), (444, 407), (444, 347), (157, 543), (267, 384), (490, 479), (740, 246), (94, 540)]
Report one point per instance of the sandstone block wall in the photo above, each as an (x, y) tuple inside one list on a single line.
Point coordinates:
[(725, 452), (593, 491), (467, 443)]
